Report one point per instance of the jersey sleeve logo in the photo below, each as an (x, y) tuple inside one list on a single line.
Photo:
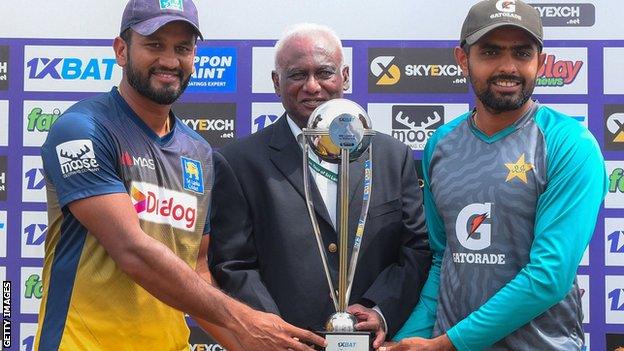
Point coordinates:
[(192, 175), (77, 156), (518, 170)]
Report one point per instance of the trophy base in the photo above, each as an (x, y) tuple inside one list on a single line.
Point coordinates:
[(352, 341)]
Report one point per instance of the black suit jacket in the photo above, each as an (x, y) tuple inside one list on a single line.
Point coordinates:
[(263, 250)]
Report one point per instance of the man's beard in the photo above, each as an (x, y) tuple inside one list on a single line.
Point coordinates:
[(164, 96), (504, 102)]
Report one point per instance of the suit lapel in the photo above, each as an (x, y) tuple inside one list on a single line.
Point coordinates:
[(287, 156)]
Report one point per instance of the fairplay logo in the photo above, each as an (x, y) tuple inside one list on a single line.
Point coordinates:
[(31, 289), (164, 206), (564, 71), (615, 191), (39, 117), (385, 70)]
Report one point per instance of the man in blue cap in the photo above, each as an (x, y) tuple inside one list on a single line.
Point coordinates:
[(129, 191)]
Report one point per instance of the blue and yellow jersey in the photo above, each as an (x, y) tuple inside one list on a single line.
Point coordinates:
[(509, 217), (100, 146)]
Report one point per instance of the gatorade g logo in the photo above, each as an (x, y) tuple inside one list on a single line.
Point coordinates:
[(164, 206), (387, 72), (506, 5), (473, 226)]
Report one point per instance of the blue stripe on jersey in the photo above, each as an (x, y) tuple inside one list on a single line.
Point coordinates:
[(62, 276)]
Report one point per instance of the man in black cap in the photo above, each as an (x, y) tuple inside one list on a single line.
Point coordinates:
[(505, 187), (129, 190)]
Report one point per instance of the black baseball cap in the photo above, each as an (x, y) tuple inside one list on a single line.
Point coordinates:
[(488, 15), (147, 16)]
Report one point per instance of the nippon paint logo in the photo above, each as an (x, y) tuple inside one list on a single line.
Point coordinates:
[(564, 71), (566, 14), (159, 205), (70, 68), (215, 70)]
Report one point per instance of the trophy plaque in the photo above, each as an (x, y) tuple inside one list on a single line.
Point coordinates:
[(339, 131)]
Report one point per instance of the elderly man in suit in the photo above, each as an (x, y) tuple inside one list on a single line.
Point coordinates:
[(263, 249)]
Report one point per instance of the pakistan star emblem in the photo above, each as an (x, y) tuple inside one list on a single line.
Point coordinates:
[(518, 169)]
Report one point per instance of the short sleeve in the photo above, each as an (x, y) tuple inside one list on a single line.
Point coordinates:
[(79, 159)]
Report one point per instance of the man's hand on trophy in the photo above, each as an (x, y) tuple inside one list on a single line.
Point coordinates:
[(441, 343), (369, 319), (266, 331)]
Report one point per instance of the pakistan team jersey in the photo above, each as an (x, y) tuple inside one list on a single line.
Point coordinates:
[(509, 217), (100, 146)]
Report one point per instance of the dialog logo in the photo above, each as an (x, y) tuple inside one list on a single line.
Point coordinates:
[(215, 70), (77, 156), (414, 70), (164, 206), (567, 14), (614, 127), (70, 68)]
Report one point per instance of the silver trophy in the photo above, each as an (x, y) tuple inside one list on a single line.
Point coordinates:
[(339, 131)]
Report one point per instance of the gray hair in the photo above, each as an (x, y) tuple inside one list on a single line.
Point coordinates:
[(304, 30)]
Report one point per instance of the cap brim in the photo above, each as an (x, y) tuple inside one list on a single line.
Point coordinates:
[(150, 26), (474, 37)]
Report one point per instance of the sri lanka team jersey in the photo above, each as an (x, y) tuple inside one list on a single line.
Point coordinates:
[(509, 217), (100, 146)]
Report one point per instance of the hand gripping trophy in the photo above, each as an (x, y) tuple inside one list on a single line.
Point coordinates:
[(339, 131)]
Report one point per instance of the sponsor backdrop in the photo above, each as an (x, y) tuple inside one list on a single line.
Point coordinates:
[(403, 73)]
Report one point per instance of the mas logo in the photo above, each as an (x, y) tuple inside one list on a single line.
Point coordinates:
[(77, 156), (70, 68), (164, 206)]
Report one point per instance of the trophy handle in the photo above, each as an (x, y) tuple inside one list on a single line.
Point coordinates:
[(315, 226), (359, 232)]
